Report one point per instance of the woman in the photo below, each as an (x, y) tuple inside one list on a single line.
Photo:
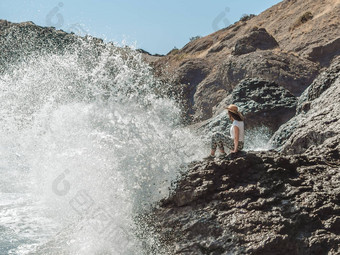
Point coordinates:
[(236, 140)]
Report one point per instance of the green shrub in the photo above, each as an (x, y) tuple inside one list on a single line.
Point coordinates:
[(195, 38), (174, 51), (246, 17)]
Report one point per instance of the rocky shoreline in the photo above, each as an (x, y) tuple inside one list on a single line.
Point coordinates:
[(285, 75), (283, 201), (258, 203)]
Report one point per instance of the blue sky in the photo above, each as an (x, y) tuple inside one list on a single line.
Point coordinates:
[(153, 25)]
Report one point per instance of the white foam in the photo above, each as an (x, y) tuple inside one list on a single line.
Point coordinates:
[(89, 134)]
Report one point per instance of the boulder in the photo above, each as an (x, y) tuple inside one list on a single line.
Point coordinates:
[(325, 53), (325, 80), (258, 38), (197, 45), (288, 70)]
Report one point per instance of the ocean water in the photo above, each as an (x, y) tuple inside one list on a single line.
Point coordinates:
[(87, 144)]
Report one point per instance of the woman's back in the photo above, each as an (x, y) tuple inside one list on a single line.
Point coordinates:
[(240, 125)]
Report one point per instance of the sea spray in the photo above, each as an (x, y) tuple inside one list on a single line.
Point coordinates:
[(256, 138), (99, 144)]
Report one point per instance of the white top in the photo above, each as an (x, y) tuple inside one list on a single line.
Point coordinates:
[(240, 125)]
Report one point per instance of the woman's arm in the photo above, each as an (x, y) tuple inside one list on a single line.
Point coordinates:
[(236, 135)]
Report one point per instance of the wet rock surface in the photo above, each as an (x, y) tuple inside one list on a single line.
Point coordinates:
[(19, 41), (255, 203), (15, 46)]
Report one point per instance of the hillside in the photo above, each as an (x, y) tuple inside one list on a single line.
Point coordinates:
[(288, 43)]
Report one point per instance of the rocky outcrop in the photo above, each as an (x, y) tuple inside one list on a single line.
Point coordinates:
[(287, 70), (263, 103), (197, 46), (325, 80), (258, 203), (318, 115), (204, 87), (324, 54), (190, 74), (19, 40), (266, 202), (258, 38)]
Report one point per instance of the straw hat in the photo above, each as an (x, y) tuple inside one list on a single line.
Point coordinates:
[(234, 109)]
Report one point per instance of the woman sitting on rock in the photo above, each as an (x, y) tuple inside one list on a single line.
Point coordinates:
[(236, 140)]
